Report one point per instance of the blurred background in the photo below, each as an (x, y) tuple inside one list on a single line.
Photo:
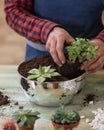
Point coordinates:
[(12, 45)]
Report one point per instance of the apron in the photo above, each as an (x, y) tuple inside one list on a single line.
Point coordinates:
[(80, 18)]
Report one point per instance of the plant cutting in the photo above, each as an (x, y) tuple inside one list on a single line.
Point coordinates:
[(64, 119), (25, 119), (42, 74), (82, 48)]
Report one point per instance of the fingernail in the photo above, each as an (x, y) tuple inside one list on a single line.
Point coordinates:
[(63, 62)]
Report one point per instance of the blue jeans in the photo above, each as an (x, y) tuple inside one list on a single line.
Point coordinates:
[(32, 53)]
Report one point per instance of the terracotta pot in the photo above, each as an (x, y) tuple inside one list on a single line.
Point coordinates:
[(25, 128), (55, 85), (65, 126)]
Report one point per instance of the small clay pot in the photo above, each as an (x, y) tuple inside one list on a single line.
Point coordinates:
[(26, 128), (65, 126), (55, 85)]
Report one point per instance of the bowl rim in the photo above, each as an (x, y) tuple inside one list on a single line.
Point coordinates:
[(80, 77)]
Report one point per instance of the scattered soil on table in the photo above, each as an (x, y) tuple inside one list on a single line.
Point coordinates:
[(16, 103), (68, 71), (89, 97), (3, 99), (20, 107)]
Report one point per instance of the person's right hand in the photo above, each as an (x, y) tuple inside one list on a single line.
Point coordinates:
[(55, 44)]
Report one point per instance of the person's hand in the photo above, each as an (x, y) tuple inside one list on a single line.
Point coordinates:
[(55, 44), (95, 64)]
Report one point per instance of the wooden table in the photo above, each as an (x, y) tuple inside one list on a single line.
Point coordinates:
[(10, 85)]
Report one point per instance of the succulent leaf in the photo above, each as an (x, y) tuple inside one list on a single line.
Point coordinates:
[(64, 116), (42, 73), (82, 48), (25, 117)]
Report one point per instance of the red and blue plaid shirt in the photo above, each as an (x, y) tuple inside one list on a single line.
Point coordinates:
[(20, 16)]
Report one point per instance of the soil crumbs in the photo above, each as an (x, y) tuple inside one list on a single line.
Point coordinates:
[(88, 98), (3, 99)]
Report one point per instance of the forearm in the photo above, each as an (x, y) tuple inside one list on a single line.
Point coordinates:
[(19, 16)]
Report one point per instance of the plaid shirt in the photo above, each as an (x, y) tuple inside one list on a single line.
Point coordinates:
[(19, 15)]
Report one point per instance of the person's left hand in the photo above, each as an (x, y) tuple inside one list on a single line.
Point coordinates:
[(95, 64)]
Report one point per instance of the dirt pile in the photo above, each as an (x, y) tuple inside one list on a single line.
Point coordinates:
[(3, 99)]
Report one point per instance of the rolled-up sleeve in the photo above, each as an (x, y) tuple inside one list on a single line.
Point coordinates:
[(20, 17)]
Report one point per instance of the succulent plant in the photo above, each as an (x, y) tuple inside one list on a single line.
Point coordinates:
[(64, 116), (82, 48), (25, 117), (42, 73)]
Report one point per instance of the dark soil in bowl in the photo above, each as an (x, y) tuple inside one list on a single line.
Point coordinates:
[(24, 84), (68, 71), (3, 99)]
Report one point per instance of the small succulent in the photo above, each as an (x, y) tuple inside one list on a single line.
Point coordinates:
[(82, 48), (42, 73), (64, 116), (10, 125), (25, 117)]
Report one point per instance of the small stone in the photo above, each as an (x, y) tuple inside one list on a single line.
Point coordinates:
[(20, 107), (87, 121), (91, 102), (82, 117)]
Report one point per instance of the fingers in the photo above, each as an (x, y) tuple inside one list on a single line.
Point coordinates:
[(70, 39), (56, 50), (55, 44), (82, 59), (94, 65), (97, 66), (88, 64), (54, 54), (59, 48)]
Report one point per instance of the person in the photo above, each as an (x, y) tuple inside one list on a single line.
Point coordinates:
[(51, 24)]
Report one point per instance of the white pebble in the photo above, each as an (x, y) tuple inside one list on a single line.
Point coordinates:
[(98, 122), (82, 117), (91, 102), (87, 121)]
